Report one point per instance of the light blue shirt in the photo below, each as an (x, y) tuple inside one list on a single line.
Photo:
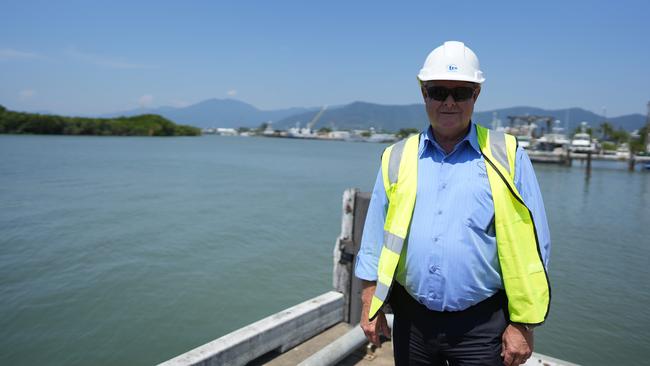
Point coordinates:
[(450, 258)]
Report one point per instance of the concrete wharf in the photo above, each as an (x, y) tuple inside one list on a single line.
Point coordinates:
[(566, 157), (320, 331)]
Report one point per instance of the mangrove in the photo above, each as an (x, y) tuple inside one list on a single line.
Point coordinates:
[(12, 122)]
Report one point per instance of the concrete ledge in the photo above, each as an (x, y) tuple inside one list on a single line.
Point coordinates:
[(280, 331), (538, 359)]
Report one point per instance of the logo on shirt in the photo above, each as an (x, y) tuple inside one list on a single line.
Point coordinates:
[(482, 172)]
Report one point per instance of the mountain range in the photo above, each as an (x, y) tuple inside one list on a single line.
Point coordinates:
[(358, 115), (216, 113)]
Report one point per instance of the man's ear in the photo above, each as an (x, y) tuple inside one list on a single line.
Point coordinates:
[(478, 91)]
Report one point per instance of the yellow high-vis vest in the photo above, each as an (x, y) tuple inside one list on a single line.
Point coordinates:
[(522, 269)]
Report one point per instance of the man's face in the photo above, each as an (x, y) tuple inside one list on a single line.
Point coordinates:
[(449, 117)]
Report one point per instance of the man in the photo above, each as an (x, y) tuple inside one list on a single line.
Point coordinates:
[(456, 237)]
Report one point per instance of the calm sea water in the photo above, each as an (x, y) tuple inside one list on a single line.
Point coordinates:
[(129, 251)]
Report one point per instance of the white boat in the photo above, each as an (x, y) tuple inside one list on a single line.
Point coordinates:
[(381, 137), (623, 151), (582, 142), (552, 141), (556, 141), (226, 131), (301, 133), (268, 131), (338, 135), (307, 132)]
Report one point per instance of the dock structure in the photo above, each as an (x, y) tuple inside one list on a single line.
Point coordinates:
[(549, 157), (566, 157), (320, 331)]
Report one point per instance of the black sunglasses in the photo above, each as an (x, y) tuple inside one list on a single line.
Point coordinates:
[(440, 93)]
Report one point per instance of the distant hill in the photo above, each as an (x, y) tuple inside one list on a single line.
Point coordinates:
[(356, 115), (391, 118), (216, 113), (361, 115)]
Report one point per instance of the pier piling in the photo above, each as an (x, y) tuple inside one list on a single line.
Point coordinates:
[(355, 208), (631, 162), (568, 160)]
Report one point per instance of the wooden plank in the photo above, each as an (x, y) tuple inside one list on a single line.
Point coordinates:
[(361, 203), (342, 255), (280, 331)]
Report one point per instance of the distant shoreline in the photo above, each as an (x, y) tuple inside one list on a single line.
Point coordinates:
[(149, 125)]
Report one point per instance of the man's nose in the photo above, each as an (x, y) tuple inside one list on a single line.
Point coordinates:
[(449, 102)]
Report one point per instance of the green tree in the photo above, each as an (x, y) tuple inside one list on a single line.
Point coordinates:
[(263, 126), (606, 130), (406, 132), (608, 145), (639, 144), (143, 125), (620, 136)]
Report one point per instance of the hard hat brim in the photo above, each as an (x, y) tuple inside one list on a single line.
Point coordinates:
[(451, 77)]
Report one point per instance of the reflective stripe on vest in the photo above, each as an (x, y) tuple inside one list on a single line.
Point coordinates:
[(522, 270), (399, 171)]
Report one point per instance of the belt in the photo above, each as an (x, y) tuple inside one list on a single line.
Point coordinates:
[(404, 305)]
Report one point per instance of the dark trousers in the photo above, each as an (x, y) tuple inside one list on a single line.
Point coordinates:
[(469, 337)]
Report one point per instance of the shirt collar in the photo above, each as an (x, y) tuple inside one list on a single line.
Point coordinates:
[(470, 137)]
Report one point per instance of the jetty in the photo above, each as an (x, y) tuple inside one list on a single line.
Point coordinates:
[(566, 157), (323, 330)]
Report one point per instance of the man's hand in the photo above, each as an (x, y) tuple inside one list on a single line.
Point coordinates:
[(517, 345), (377, 326)]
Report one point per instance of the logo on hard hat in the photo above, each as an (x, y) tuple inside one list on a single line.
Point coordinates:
[(452, 67)]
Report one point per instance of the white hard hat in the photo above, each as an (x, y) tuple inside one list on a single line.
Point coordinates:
[(452, 61)]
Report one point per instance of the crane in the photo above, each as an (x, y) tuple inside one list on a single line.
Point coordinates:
[(316, 118)]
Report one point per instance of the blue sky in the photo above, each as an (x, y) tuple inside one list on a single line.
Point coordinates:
[(86, 57)]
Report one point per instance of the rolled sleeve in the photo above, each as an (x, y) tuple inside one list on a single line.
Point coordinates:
[(373, 233), (528, 187)]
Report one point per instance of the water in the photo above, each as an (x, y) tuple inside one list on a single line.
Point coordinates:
[(134, 250)]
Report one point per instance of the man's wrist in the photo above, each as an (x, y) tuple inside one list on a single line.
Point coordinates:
[(526, 327)]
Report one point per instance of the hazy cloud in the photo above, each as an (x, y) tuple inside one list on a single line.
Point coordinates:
[(27, 94), (145, 101), (104, 61), (11, 54), (232, 92)]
